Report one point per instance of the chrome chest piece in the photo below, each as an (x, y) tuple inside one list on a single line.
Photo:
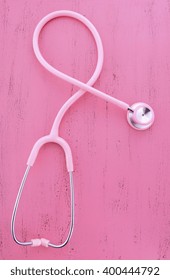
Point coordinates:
[(140, 116)]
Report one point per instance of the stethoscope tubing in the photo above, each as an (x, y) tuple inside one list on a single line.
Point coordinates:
[(86, 87), (54, 134), (140, 116)]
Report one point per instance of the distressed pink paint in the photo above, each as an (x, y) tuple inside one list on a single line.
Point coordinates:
[(122, 178)]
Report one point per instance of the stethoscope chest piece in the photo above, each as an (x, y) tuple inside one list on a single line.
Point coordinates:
[(140, 116)]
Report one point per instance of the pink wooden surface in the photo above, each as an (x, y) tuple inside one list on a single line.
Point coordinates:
[(122, 176)]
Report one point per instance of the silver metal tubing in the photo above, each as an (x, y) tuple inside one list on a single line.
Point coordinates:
[(29, 243), (72, 215), (16, 208)]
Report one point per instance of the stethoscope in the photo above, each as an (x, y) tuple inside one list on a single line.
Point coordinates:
[(140, 116)]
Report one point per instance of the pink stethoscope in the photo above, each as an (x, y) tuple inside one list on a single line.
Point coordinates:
[(140, 116)]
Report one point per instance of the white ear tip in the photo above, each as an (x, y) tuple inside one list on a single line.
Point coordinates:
[(140, 116)]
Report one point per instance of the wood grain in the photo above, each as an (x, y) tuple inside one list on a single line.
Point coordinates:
[(122, 176)]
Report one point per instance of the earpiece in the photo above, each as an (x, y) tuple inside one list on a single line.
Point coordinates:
[(140, 116)]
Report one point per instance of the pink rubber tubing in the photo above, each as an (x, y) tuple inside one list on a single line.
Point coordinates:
[(53, 137), (54, 133)]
